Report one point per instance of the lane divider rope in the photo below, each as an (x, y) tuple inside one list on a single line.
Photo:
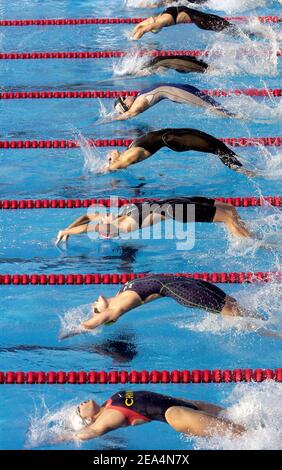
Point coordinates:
[(116, 278), (87, 94), (103, 54), (141, 377), (12, 204), (87, 21), (70, 143)]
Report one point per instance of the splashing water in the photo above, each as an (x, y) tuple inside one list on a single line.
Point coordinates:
[(266, 164), (251, 107), (229, 6), (132, 64), (265, 300), (258, 408), (254, 57), (71, 321), (105, 115), (46, 426), (267, 230), (93, 162), (233, 6)]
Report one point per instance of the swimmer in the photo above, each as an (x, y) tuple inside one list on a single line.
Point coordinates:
[(191, 293), (144, 214), (182, 14), (130, 106), (132, 408), (178, 140)]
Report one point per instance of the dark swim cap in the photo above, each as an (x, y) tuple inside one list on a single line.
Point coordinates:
[(120, 105)]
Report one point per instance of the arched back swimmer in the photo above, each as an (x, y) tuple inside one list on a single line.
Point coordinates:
[(150, 212), (191, 293), (182, 14), (131, 408), (130, 106), (178, 140)]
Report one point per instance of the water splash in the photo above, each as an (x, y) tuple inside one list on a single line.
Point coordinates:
[(228, 6), (265, 300), (233, 6), (132, 64), (47, 426), (105, 115), (93, 161), (258, 408), (71, 321), (257, 110), (252, 57), (266, 228)]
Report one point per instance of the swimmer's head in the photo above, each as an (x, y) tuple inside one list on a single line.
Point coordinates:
[(123, 104), (113, 156), (101, 304), (85, 414)]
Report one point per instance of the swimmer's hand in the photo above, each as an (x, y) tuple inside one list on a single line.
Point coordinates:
[(61, 237), (98, 319), (71, 333)]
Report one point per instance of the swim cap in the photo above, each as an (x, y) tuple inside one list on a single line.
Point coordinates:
[(77, 423), (120, 106)]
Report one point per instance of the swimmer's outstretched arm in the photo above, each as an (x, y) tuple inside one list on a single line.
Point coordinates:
[(127, 158), (107, 422), (122, 304), (152, 24), (80, 225)]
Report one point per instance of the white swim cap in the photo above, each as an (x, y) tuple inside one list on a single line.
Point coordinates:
[(76, 422)]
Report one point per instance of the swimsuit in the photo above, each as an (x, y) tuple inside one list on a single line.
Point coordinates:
[(202, 20), (179, 93), (180, 63), (148, 406), (183, 140), (186, 291), (174, 208)]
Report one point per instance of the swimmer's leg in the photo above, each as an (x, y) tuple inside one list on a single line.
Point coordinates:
[(233, 309), (210, 22), (227, 214), (230, 159), (200, 423)]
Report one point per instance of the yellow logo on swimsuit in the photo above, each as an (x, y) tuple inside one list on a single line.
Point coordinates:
[(129, 401)]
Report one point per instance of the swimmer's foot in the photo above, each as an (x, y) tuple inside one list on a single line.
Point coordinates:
[(245, 171), (61, 237)]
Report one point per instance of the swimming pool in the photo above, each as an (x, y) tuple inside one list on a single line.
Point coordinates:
[(165, 336)]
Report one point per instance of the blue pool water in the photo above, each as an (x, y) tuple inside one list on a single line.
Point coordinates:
[(163, 335)]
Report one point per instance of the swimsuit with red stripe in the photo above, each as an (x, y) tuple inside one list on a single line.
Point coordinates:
[(144, 405)]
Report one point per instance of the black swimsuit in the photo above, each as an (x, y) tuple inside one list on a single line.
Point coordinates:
[(144, 405), (180, 63), (182, 209), (202, 20), (183, 140), (186, 291)]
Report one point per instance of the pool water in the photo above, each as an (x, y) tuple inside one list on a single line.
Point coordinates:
[(164, 335)]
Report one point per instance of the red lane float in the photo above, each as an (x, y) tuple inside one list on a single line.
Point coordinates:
[(141, 377), (102, 54), (90, 94), (67, 144), (111, 21), (12, 204), (115, 278)]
